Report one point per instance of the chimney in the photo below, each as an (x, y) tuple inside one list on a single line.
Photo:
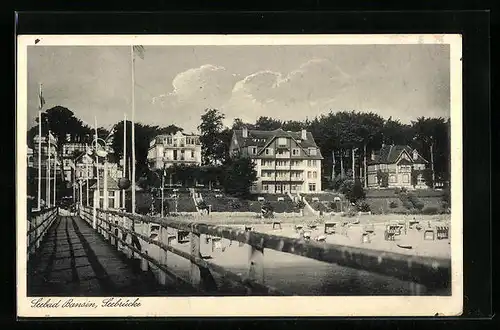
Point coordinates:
[(303, 135), (245, 132)]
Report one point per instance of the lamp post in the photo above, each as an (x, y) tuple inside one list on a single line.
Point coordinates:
[(99, 151), (161, 189)]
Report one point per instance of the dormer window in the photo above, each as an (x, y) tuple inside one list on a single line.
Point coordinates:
[(282, 141), (312, 151), (415, 155)]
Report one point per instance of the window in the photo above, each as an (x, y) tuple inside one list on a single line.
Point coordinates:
[(312, 187), (282, 141), (315, 175), (392, 179), (192, 153), (265, 187), (406, 178), (254, 150), (111, 203), (309, 174), (313, 162), (269, 151), (312, 151)]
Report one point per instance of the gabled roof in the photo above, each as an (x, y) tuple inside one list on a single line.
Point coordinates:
[(112, 184), (261, 139), (390, 154)]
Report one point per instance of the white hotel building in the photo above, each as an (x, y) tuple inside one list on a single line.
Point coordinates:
[(285, 161), (179, 148)]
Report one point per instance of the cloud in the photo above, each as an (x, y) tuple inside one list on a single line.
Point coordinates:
[(311, 82), (208, 84)]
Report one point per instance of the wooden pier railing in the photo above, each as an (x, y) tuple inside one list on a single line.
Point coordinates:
[(150, 238), (38, 224)]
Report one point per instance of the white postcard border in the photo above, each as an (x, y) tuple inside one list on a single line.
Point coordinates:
[(251, 306)]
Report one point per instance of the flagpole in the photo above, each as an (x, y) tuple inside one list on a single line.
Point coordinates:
[(124, 155), (55, 179), (40, 158), (97, 164), (47, 180), (133, 128), (87, 178)]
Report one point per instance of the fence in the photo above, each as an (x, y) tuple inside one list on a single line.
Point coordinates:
[(140, 235), (38, 224)]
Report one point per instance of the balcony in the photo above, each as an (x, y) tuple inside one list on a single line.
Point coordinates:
[(283, 155)]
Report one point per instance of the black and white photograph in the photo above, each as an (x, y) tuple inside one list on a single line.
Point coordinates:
[(224, 169)]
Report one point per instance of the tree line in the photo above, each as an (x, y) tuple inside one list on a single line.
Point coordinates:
[(335, 133), (338, 134)]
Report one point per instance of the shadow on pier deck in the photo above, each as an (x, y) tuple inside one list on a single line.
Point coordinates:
[(73, 260)]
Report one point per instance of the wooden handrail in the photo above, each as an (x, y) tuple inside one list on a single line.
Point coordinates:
[(228, 275), (433, 273)]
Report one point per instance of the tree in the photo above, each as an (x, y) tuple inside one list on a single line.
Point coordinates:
[(293, 125), (355, 191), (267, 124), (212, 147), (370, 130), (61, 122), (239, 175), (394, 132), (432, 140)]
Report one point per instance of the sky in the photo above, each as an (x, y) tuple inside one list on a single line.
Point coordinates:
[(175, 84)]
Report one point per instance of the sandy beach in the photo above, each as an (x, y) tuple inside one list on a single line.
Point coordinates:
[(306, 276)]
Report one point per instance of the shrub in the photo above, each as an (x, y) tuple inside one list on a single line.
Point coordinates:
[(202, 205), (300, 205), (364, 207), (333, 206), (353, 190), (417, 203), (407, 204), (430, 210), (337, 182), (234, 204), (393, 204)]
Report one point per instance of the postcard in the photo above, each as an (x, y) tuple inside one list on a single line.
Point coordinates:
[(239, 175)]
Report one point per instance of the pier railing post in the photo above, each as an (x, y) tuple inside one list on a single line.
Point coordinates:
[(115, 231), (144, 230), (256, 262), (162, 257), (38, 218), (194, 271)]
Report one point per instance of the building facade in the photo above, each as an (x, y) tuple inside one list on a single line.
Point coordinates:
[(70, 147), (179, 148), (397, 162), (285, 161), (48, 145)]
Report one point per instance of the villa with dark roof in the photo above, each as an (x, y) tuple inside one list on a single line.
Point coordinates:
[(285, 161), (398, 161)]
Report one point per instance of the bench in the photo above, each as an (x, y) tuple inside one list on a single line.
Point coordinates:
[(365, 238), (276, 223), (442, 232), (182, 236), (330, 227), (391, 232), (429, 235)]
